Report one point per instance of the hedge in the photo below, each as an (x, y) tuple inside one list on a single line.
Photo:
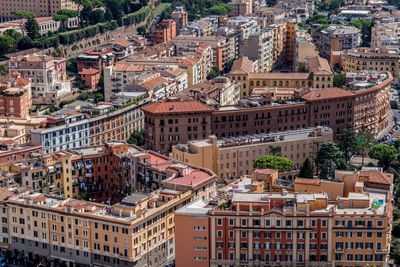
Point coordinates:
[(136, 17), (70, 37)]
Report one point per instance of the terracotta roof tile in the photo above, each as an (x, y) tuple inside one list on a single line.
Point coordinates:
[(319, 65), (242, 66), (89, 71), (177, 107), (378, 177), (122, 42), (333, 92), (152, 83)]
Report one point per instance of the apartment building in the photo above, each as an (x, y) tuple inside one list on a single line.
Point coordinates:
[(288, 229), (149, 171), (39, 8), (322, 74), (218, 45), (377, 59), (15, 96), (163, 32), (138, 231), (170, 122), (337, 38), (258, 47), (241, 8), (234, 157), (18, 153), (47, 75), (304, 49), (98, 58), (75, 129), (220, 89), (158, 78), (270, 15), (245, 26), (319, 76), (180, 16)]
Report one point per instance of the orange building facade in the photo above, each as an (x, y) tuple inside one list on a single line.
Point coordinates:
[(163, 32)]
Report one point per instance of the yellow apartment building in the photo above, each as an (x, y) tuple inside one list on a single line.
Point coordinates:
[(138, 231)]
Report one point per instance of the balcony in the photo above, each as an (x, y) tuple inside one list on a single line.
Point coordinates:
[(339, 250)]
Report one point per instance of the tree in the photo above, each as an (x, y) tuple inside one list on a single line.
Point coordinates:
[(32, 28), (339, 80), (328, 158), (14, 34), (348, 143), (96, 16), (273, 162), (25, 43), (7, 44), (141, 30), (214, 72), (275, 151), (365, 140), (220, 10), (306, 170), (63, 15), (22, 14), (384, 154), (136, 138), (301, 68)]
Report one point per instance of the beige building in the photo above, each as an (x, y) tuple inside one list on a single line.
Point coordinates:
[(234, 157), (304, 48), (270, 15), (39, 8), (47, 75), (378, 59)]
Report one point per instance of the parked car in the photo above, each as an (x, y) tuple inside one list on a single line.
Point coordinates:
[(3, 261), (391, 132)]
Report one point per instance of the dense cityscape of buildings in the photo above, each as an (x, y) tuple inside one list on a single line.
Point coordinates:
[(142, 150)]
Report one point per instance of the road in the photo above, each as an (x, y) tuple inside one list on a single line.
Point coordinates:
[(387, 138)]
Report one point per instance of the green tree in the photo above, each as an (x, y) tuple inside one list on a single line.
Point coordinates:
[(385, 154), (137, 138), (214, 72), (7, 44), (355, 23), (275, 151), (96, 16), (306, 170), (348, 143), (141, 30), (32, 28), (339, 80), (221, 9), (273, 162), (14, 34), (365, 140), (301, 68), (22, 14), (25, 43), (328, 157)]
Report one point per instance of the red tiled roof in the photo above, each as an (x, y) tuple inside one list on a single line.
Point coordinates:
[(122, 42), (319, 65), (242, 66), (307, 181), (196, 177), (89, 71), (326, 93), (152, 83), (378, 177), (177, 107)]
